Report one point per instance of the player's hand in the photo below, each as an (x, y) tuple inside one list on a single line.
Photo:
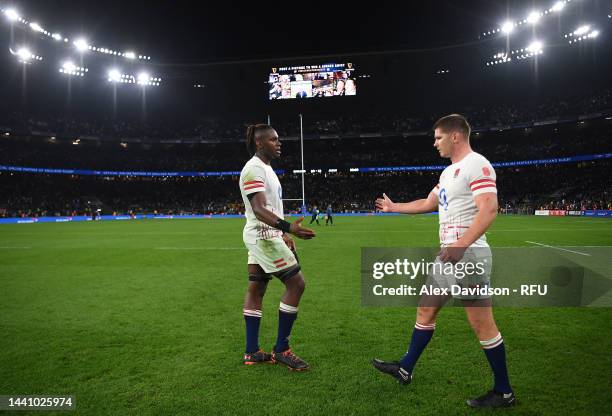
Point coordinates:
[(301, 232), (384, 204), (289, 241), (452, 253)]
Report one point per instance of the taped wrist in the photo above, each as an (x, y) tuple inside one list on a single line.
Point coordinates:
[(283, 225)]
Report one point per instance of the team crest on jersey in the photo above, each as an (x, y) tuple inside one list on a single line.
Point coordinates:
[(486, 171), (456, 173)]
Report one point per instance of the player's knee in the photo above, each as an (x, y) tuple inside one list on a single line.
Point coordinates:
[(257, 288), (426, 315), (261, 290), (296, 284), (301, 285), (482, 323)]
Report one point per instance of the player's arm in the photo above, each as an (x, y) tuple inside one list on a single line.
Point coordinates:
[(487, 211), (263, 214), (419, 206)]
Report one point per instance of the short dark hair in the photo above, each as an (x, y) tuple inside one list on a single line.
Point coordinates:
[(252, 133), (454, 122)]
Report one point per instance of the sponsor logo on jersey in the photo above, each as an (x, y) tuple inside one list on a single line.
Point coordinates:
[(443, 199)]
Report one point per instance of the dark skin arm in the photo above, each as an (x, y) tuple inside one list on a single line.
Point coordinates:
[(258, 203)]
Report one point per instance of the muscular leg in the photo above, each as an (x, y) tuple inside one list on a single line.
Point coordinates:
[(294, 288), (256, 289), (253, 306), (288, 309), (421, 335), (480, 316)]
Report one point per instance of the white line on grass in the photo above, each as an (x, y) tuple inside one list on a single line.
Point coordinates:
[(200, 248), (14, 248), (433, 230), (558, 248), (540, 229)]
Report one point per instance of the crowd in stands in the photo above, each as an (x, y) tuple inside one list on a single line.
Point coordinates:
[(580, 186), (518, 144), (316, 125), (570, 186)]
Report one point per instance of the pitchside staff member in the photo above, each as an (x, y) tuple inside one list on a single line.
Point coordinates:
[(271, 250), (315, 216), (329, 218)]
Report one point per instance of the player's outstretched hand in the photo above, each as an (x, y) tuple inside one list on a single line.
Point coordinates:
[(384, 204), (301, 232)]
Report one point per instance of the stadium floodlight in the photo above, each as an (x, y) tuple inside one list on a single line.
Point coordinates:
[(24, 54), (36, 27), (81, 44), (56, 36), (558, 6), (143, 78), (534, 17), (69, 68), (129, 55), (594, 34), (507, 27), (114, 75), (535, 47), (582, 30), (12, 14)]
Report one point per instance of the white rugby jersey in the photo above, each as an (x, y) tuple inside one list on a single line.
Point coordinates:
[(256, 176), (459, 184)]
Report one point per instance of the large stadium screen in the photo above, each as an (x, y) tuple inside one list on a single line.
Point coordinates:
[(328, 80)]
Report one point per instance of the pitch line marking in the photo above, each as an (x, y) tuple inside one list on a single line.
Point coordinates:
[(14, 248), (200, 248), (558, 248)]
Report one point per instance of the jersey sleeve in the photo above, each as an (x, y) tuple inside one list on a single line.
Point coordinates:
[(482, 177), (436, 190), (253, 180)]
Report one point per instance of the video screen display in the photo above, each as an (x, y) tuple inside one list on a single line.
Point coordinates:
[(308, 81)]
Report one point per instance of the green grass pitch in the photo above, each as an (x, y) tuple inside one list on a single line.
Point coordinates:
[(145, 318)]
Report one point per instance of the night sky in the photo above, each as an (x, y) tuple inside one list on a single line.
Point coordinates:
[(231, 46), (187, 31)]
